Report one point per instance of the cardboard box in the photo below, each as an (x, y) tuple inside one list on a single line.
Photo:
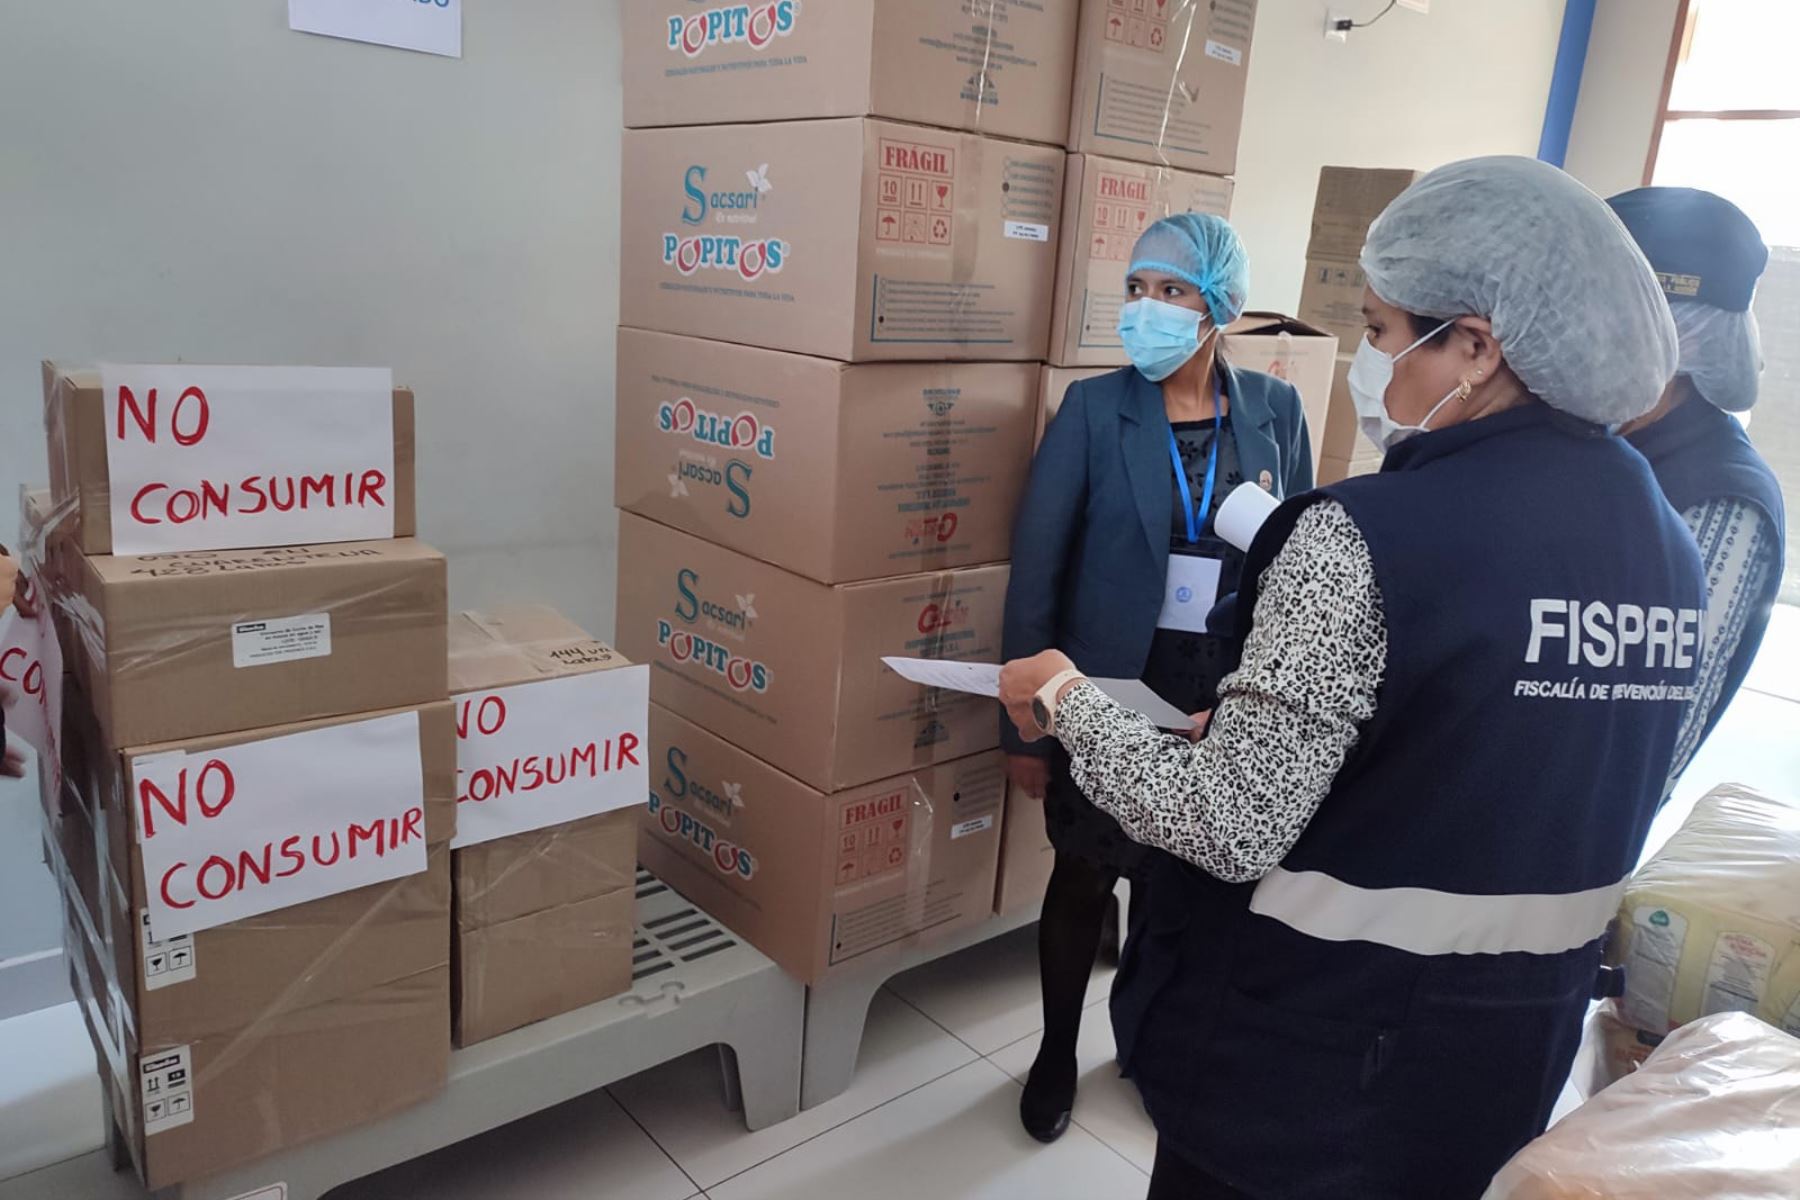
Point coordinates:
[(171, 646), (1026, 855), (1162, 81), (851, 239), (251, 1037), (75, 423), (1291, 350), (1347, 203), (1000, 70), (544, 918), (510, 975), (820, 882), (1332, 298), (1055, 385), (791, 669), (1107, 205), (836, 472)]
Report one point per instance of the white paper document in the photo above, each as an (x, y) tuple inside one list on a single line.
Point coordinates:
[(545, 753), (434, 26), (983, 679), (247, 829), (1190, 591), (214, 458)]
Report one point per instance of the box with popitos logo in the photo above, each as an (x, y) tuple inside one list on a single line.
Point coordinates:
[(821, 881), (850, 239), (791, 670), (836, 471), (1000, 68), (1162, 81)]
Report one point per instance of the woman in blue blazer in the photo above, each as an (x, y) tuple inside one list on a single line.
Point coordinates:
[(1115, 564)]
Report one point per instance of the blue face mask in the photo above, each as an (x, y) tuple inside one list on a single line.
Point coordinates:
[(1160, 337)]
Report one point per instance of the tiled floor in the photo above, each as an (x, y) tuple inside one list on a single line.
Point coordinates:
[(932, 1112), (933, 1109)]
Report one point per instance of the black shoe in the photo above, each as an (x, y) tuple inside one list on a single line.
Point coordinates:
[(1048, 1102)]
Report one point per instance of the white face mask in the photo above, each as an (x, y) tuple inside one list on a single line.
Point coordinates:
[(1371, 371)]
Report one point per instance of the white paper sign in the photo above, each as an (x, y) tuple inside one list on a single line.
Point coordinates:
[(434, 26), (217, 458), (543, 753), (31, 678), (243, 830)]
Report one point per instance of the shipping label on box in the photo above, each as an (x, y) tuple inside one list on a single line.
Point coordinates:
[(1162, 81), (1001, 67), (549, 752), (247, 829), (1108, 203), (837, 473), (212, 458), (852, 239)]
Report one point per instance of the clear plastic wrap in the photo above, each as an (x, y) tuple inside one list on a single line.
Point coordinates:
[(1713, 1114)]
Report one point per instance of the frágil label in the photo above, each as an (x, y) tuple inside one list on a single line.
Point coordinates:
[(545, 753), (753, 25), (247, 829), (219, 458)]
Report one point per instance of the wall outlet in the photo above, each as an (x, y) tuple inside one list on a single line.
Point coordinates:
[(1335, 30)]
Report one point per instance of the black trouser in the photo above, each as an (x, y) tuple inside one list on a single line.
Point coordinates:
[(1175, 1178)]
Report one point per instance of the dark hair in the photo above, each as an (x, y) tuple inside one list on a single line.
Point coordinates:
[(1422, 326)]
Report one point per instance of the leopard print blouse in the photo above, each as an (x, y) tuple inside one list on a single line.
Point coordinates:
[(1235, 803)]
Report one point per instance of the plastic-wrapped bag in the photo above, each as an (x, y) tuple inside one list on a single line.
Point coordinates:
[(1713, 1114)]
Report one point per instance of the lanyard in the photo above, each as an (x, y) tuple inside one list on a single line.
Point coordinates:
[(1212, 468)]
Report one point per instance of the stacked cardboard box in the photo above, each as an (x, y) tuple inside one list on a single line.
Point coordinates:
[(835, 312), (254, 994), (551, 774), (1348, 201)]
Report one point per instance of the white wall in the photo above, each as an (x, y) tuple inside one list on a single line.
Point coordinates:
[(1411, 91), (186, 179), (1620, 88)]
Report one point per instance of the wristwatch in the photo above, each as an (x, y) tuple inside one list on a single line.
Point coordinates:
[(1043, 705)]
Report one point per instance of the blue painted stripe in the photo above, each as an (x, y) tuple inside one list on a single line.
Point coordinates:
[(1565, 81)]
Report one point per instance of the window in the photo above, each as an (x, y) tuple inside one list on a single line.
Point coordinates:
[(1730, 123)]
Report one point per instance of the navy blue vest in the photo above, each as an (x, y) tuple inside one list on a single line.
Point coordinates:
[(1392, 1012), (1700, 453)]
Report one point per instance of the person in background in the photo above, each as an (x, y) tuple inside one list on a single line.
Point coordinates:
[(1708, 255), (1370, 948), (1115, 562)]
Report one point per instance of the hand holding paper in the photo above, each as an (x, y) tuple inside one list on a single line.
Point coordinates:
[(983, 679)]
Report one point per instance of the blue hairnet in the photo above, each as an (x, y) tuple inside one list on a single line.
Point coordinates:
[(1205, 251), (1575, 307)]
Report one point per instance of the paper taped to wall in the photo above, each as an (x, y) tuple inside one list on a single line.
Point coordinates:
[(434, 26), (983, 679)]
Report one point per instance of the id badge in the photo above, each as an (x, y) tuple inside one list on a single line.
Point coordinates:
[(1191, 591)]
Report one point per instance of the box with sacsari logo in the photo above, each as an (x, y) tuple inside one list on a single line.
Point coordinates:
[(1001, 69), (852, 239), (838, 472), (821, 881), (790, 669)]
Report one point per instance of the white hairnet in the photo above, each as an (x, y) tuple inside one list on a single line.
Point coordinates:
[(1721, 351), (1205, 251), (1574, 305)]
